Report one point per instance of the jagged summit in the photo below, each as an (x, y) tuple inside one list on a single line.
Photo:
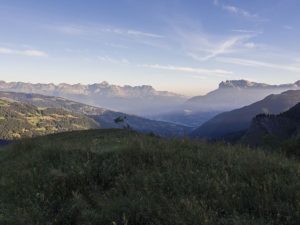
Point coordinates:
[(249, 84), (297, 83), (241, 84), (141, 100), (103, 88)]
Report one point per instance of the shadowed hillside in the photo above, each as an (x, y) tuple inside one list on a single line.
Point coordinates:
[(120, 177), (274, 130), (239, 120)]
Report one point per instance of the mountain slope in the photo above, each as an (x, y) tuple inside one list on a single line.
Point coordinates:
[(19, 120), (234, 94), (141, 100), (240, 119), (106, 118), (120, 177), (273, 129)]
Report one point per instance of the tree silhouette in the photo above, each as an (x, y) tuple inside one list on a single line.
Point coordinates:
[(122, 120)]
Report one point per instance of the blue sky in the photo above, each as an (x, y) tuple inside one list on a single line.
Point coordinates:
[(184, 46)]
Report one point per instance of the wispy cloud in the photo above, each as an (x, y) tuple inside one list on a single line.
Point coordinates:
[(259, 64), (109, 59), (142, 34), (27, 52), (237, 11), (287, 27), (199, 71), (232, 44), (195, 42), (250, 45), (245, 31), (96, 30), (114, 45), (128, 32), (71, 30)]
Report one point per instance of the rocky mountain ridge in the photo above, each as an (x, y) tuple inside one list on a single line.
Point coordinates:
[(140, 100), (103, 88), (233, 94), (249, 84)]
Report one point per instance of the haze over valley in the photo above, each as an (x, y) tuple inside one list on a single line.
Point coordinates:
[(129, 112)]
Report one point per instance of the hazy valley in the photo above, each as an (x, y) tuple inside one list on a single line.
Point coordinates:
[(89, 175), (133, 112)]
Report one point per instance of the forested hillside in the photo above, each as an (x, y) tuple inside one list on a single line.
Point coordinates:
[(19, 120)]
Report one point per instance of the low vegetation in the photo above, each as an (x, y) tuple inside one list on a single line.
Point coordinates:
[(19, 120), (119, 177)]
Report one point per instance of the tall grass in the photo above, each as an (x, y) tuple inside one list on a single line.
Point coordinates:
[(116, 177)]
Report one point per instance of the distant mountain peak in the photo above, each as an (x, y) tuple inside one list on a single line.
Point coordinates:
[(241, 84), (142, 99), (102, 87), (245, 84), (297, 83), (104, 83)]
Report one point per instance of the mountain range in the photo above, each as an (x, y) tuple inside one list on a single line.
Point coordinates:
[(139, 100), (165, 106), (233, 94), (239, 120)]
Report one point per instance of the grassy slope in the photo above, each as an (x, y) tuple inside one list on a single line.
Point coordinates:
[(102, 116), (18, 120), (119, 177)]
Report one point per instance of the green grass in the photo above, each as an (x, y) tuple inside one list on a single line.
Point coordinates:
[(117, 177), (4, 103)]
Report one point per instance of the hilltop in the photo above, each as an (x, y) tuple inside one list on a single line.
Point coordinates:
[(121, 177)]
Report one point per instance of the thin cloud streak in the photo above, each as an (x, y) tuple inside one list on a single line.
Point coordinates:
[(227, 46), (96, 30), (246, 31), (258, 64), (238, 11), (200, 71), (28, 52), (287, 27), (109, 59)]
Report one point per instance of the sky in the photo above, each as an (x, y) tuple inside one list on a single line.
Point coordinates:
[(183, 46)]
